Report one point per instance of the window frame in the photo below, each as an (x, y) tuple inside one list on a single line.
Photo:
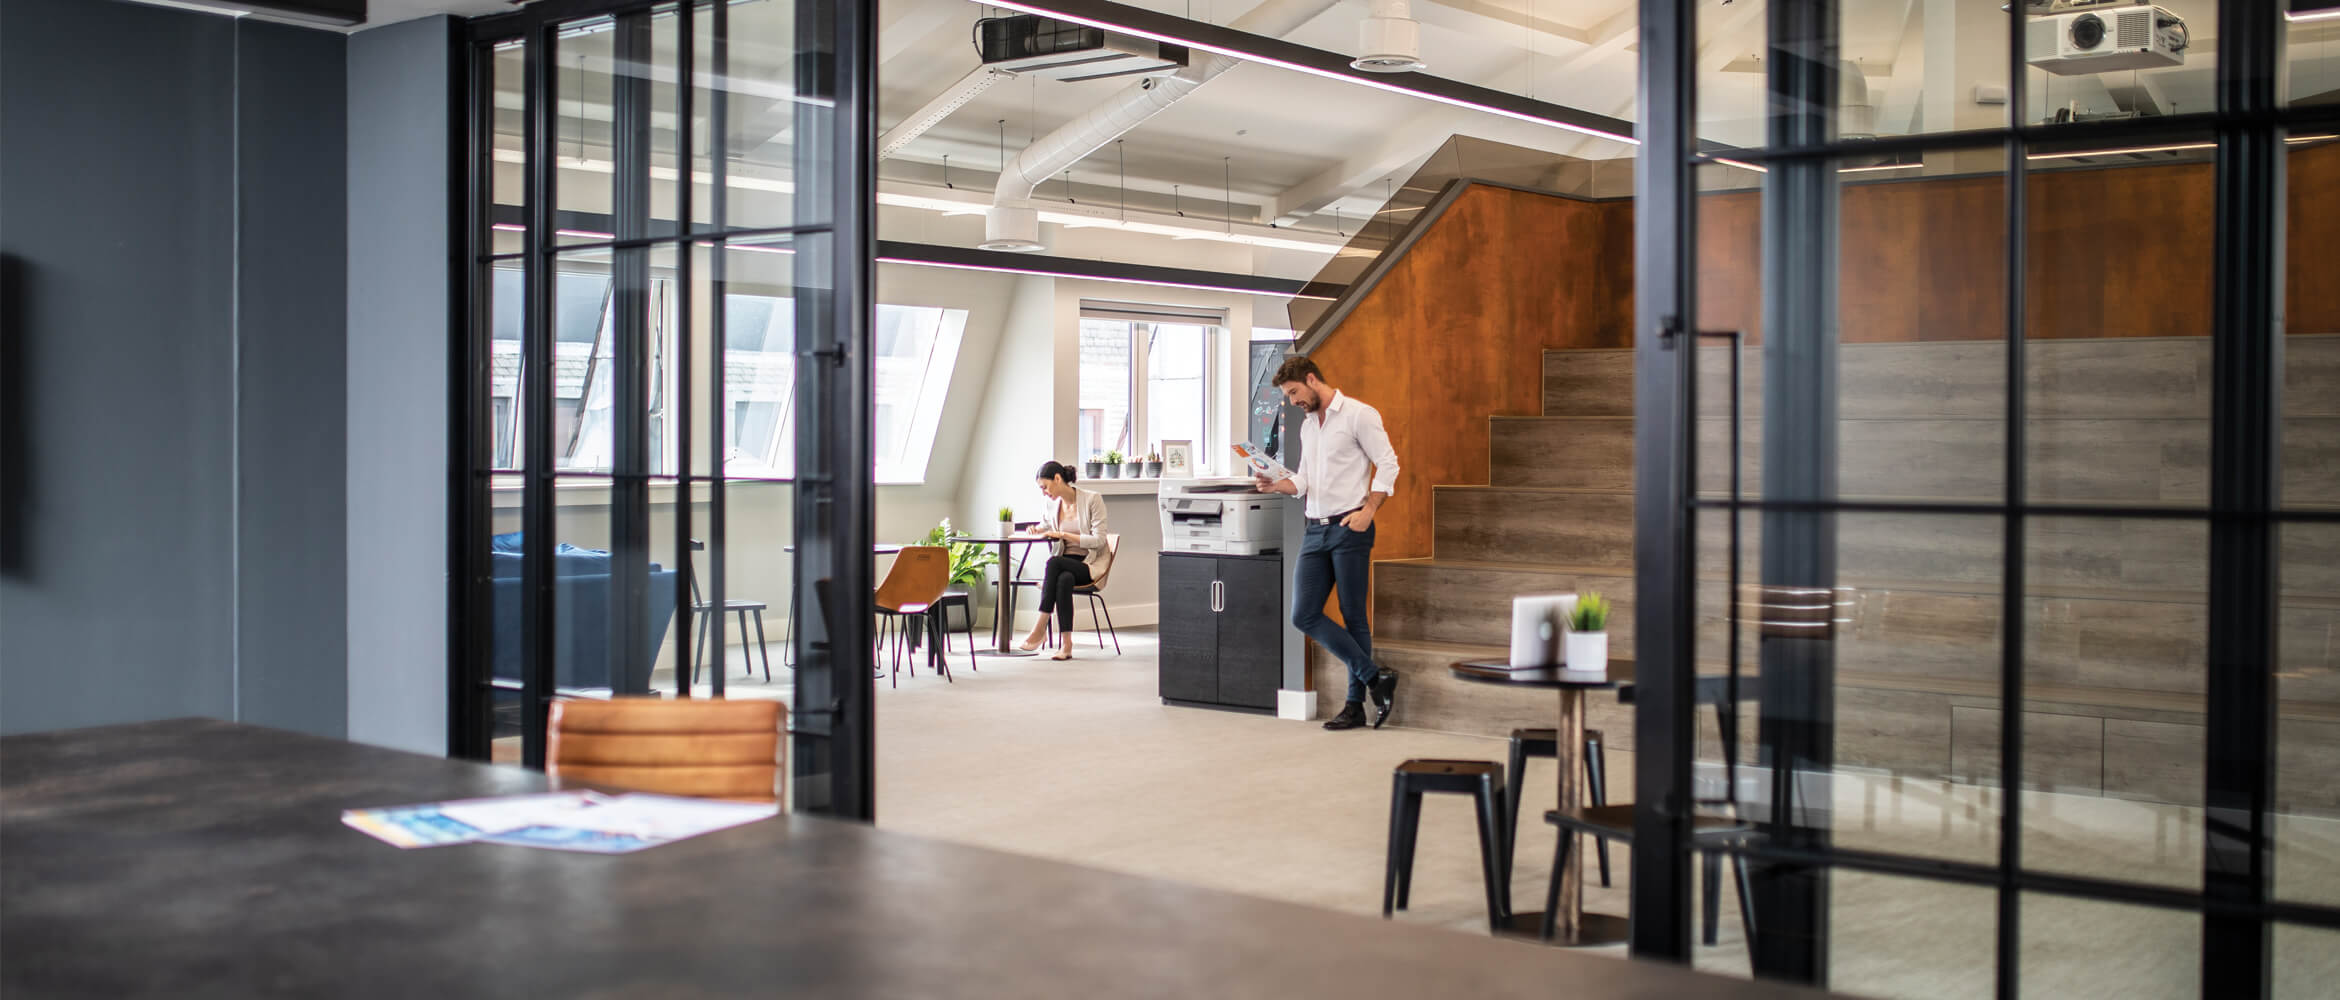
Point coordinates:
[(1216, 368)]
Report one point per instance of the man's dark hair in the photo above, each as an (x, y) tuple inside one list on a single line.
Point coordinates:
[(1297, 368)]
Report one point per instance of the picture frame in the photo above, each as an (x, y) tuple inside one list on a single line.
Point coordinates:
[(1178, 459)]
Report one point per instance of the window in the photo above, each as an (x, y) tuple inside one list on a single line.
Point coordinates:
[(1145, 379), (916, 348)]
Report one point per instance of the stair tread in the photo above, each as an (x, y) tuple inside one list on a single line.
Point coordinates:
[(1434, 562), (1560, 490), (2140, 596)]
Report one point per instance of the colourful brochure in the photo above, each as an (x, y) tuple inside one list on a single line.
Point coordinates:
[(567, 821)]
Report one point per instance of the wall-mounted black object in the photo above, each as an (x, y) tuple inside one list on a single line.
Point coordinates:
[(1222, 630)]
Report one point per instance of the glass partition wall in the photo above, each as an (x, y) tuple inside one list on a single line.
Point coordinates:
[(1985, 476), (667, 372)]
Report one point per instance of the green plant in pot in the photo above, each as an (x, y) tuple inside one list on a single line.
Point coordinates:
[(1587, 644), (1113, 464), (1154, 465), (968, 559), (1094, 467), (1007, 521)]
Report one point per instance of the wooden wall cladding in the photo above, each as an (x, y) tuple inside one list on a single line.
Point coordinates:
[(2113, 252), (1455, 333)]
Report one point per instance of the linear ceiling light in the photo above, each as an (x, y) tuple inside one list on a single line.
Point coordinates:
[(1234, 53), (1040, 273)]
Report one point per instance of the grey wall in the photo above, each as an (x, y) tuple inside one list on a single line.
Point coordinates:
[(399, 136), (167, 285), (290, 443)]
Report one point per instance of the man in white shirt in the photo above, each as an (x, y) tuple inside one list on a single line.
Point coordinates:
[(1347, 469)]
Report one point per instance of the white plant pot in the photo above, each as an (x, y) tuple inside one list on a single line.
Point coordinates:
[(1587, 654), (1007, 529)]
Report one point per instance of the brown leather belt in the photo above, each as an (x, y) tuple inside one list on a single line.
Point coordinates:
[(1336, 518)]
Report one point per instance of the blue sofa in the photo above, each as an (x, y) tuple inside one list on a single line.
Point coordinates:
[(581, 649)]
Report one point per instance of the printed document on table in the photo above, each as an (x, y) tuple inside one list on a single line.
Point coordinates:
[(567, 821)]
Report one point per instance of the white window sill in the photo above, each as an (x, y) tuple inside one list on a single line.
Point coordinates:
[(1142, 487)]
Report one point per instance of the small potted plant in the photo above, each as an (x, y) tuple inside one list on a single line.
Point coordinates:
[(1587, 650), (1095, 466), (1113, 464), (1007, 521), (1133, 468), (1154, 464)]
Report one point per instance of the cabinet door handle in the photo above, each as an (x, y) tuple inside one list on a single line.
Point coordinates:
[(1218, 596)]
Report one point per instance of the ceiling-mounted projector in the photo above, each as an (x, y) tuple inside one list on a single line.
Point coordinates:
[(1063, 50), (2109, 38)]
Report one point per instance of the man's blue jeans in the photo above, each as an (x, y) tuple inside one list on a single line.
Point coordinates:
[(1333, 556)]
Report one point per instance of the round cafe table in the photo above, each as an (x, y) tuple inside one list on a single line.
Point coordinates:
[(1575, 927), (1003, 616)]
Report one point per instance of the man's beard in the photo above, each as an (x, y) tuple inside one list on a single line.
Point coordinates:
[(1313, 404)]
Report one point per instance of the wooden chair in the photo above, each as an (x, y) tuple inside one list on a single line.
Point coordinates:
[(699, 747), (921, 575), (1094, 590)]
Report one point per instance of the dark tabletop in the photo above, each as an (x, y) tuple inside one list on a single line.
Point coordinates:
[(199, 858), (1500, 672)]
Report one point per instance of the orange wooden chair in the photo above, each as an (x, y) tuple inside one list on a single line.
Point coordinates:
[(708, 748), (921, 576)]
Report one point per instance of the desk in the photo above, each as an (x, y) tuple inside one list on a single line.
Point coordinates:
[(1003, 614), (1575, 926), (200, 858)]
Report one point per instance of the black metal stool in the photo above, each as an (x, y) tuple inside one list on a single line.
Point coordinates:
[(1545, 743), (1707, 833), (1483, 782)]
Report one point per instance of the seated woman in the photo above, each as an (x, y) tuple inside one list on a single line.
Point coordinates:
[(1075, 518)]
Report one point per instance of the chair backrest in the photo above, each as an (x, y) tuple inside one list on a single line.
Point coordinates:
[(1112, 550), (707, 748), (920, 575)]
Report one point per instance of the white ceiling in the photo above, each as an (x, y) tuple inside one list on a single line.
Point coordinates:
[(1267, 139)]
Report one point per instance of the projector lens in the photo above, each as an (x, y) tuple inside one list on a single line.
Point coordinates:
[(2087, 31)]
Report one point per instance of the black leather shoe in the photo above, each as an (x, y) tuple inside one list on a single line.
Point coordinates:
[(1384, 695), (1352, 715)]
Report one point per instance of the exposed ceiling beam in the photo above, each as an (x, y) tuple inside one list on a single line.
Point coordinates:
[(1408, 143), (1412, 141), (905, 26), (939, 107), (1606, 39), (1478, 17), (1740, 32)]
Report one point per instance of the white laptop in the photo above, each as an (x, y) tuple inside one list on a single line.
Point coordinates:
[(1538, 621)]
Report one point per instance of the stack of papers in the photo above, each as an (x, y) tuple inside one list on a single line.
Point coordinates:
[(565, 821)]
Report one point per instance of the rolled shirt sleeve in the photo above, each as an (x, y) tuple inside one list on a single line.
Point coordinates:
[(1374, 439)]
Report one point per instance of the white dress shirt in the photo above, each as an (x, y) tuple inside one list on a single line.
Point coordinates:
[(1334, 457)]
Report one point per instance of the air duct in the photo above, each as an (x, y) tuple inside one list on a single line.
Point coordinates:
[(1014, 224), (1389, 40)]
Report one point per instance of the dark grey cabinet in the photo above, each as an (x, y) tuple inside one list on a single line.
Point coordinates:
[(1223, 621)]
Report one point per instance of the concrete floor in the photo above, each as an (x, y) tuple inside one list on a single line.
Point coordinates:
[(1080, 762)]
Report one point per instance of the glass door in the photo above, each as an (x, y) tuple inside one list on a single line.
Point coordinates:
[(666, 420), (1979, 492)]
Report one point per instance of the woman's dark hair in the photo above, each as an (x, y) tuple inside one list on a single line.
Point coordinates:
[(1058, 470)]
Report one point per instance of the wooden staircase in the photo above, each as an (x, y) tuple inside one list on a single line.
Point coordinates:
[(2114, 607)]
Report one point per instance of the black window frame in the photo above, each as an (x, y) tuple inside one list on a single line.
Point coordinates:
[(831, 734), (2243, 515)]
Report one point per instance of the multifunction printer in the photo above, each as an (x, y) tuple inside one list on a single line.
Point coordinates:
[(1220, 518)]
